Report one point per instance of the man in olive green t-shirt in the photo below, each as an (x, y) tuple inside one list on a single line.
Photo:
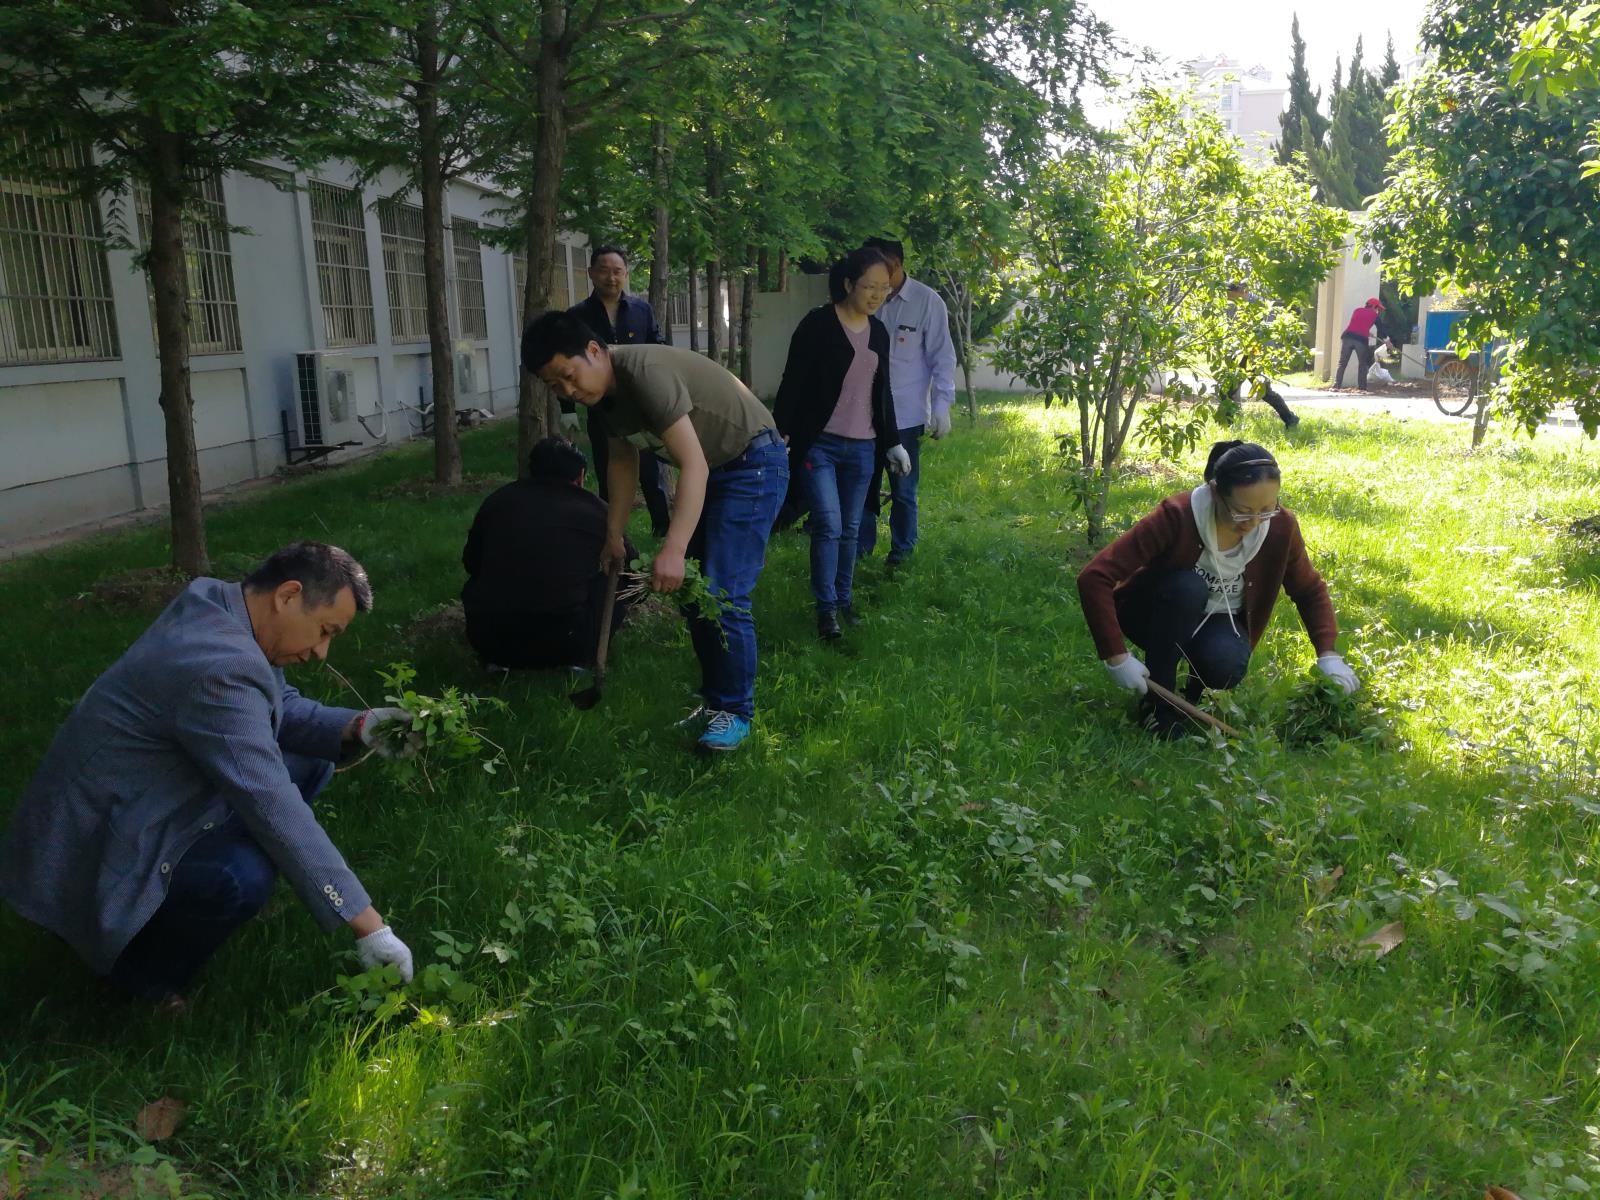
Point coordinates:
[(733, 472)]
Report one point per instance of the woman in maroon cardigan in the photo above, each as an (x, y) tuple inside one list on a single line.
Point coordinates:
[(1196, 580)]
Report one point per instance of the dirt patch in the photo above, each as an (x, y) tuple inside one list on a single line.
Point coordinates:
[(447, 622), (142, 589), (77, 1180), (428, 489)]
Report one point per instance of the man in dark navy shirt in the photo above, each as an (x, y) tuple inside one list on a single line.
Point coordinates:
[(620, 320), (534, 590)]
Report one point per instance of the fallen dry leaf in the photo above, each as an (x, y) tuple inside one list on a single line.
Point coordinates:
[(1500, 1193), (1384, 940), (1328, 882), (160, 1119)]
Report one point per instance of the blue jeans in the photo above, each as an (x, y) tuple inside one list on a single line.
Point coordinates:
[(220, 883), (742, 500), (902, 502), (836, 473)]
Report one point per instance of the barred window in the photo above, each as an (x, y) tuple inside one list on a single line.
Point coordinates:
[(404, 269), (55, 289), (343, 270), (469, 279), (213, 303)]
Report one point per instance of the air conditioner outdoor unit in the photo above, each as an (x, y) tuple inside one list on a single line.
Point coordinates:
[(325, 389), (466, 371)]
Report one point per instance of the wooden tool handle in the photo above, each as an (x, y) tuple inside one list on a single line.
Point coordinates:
[(1183, 706), (605, 620)]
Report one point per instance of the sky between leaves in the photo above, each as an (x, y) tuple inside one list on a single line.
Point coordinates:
[(1257, 31)]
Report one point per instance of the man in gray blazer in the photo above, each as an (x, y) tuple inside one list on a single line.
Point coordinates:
[(179, 786)]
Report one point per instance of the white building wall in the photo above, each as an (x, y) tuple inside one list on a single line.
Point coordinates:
[(84, 441)]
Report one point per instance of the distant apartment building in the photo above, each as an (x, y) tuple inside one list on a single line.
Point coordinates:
[(1248, 99)]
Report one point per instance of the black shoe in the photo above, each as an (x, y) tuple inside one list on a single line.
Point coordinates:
[(1161, 719), (896, 558), (849, 616), (1291, 421), (828, 625)]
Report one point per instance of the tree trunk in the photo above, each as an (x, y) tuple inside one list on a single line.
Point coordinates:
[(966, 359), (747, 315), (783, 271), (660, 246), (441, 350), (716, 340), (713, 311), (764, 270), (694, 309), (537, 410), (170, 281)]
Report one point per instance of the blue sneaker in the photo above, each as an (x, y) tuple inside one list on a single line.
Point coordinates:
[(725, 731)]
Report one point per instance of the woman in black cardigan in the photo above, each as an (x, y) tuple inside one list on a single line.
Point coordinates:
[(835, 411)]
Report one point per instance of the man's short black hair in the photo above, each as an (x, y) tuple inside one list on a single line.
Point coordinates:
[(600, 252), (557, 459), (552, 333), (322, 571), (887, 247)]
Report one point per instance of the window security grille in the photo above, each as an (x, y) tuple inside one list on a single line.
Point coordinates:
[(55, 289), (343, 270), (404, 269), (213, 303)]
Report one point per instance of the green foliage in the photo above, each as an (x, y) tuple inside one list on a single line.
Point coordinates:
[(1489, 199), (1130, 250), (1302, 121), (695, 594), (948, 900), (443, 733), (1319, 711)]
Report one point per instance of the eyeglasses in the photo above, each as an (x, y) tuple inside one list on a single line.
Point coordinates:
[(878, 289), (1242, 518)]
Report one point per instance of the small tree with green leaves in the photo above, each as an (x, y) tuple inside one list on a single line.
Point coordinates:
[(1489, 198), (172, 94), (1128, 253)]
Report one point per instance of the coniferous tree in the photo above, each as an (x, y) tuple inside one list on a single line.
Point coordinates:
[(1302, 122)]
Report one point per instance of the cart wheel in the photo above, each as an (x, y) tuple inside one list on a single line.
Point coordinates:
[(1454, 384)]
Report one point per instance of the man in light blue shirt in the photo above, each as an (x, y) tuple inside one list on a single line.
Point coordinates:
[(922, 376)]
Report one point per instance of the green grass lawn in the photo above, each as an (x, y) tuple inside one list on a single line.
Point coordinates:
[(949, 925)]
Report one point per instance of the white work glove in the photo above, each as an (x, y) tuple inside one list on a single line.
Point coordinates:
[(939, 426), (389, 732), (1131, 674), (569, 426), (380, 948), (1336, 669), (899, 461)]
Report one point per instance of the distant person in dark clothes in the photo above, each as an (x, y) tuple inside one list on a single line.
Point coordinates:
[(1239, 294), (1357, 341), (1197, 579), (621, 319), (535, 592)]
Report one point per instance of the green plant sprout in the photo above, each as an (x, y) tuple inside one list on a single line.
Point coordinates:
[(442, 730)]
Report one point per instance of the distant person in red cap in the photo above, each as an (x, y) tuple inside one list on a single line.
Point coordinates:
[(1356, 341)]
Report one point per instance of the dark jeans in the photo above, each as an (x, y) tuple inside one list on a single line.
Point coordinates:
[(1271, 399), (1165, 616), (219, 884), (902, 502), (742, 500), (1353, 344), (836, 472), (526, 641), (655, 495)]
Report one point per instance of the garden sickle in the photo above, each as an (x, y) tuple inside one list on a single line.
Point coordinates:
[(1189, 710), (587, 698)]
